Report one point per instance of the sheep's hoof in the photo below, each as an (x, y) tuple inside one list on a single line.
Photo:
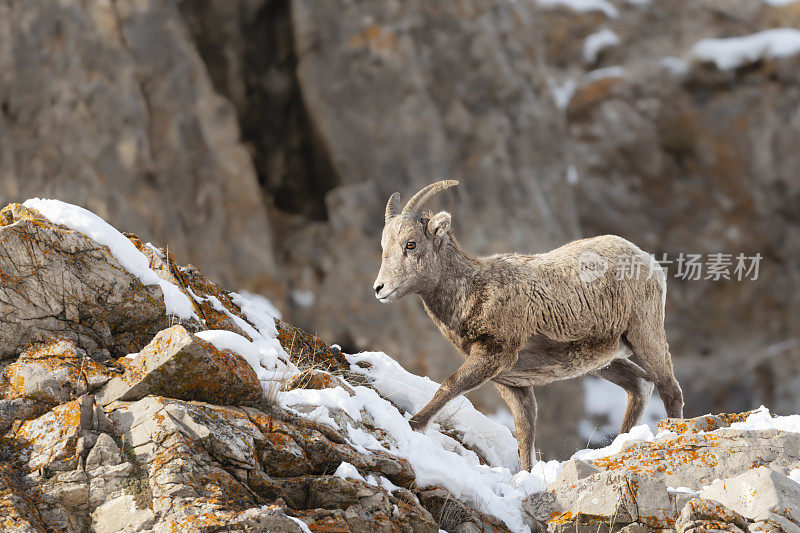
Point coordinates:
[(417, 424)]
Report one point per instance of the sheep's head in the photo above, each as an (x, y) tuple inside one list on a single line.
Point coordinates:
[(411, 242)]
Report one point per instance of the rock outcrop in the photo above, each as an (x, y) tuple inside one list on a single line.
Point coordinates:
[(180, 434), (708, 473)]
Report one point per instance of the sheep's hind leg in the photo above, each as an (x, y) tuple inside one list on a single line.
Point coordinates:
[(522, 404), (651, 352), (636, 383)]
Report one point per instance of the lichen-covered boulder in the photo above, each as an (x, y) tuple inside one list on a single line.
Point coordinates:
[(177, 364), (55, 372), (59, 284), (700, 515), (605, 498), (655, 483)]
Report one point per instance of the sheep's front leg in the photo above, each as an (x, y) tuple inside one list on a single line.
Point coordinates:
[(480, 367)]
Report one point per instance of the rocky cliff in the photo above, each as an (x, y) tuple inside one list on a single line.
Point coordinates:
[(138, 396), (261, 138)]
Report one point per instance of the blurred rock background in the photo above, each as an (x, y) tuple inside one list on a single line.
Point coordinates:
[(261, 138)]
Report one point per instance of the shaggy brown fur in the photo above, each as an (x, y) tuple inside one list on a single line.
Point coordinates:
[(527, 320)]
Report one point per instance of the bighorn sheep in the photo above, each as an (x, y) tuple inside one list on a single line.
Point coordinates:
[(528, 320)]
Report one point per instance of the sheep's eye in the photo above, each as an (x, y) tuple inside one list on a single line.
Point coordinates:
[(410, 245)]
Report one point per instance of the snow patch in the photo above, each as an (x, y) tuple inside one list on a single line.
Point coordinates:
[(607, 72), (639, 433), (303, 525), (348, 471), (257, 303), (597, 42), (583, 6), (84, 221), (304, 299), (734, 52), (264, 353), (762, 419)]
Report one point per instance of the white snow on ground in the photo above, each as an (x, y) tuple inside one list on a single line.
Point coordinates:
[(597, 42), (604, 399), (264, 353), (348, 471), (250, 299), (84, 221), (734, 52), (504, 417), (583, 6), (794, 475), (436, 458), (761, 419)]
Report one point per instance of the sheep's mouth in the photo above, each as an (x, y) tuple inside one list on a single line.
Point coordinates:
[(386, 296)]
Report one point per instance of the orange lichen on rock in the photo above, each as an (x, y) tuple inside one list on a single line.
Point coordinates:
[(661, 456), (309, 351), (18, 509), (702, 423), (52, 372), (311, 379), (50, 440)]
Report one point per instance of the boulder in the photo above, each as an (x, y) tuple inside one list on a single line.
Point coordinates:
[(53, 278), (704, 515), (105, 452), (121, 515), (180, 365), (54, 373), (605, 498), (758, 494), (696, 459), (50, 441)]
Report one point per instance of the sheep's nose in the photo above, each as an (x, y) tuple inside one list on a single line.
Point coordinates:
[(378, 287)]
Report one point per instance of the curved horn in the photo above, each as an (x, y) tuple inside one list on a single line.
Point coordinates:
[(422, 197), (391, 206)]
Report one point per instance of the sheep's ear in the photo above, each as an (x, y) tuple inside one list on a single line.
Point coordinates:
[(439, 224)]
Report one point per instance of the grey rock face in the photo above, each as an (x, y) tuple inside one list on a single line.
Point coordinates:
[(758, 494), (108, 105), (58, 284)]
